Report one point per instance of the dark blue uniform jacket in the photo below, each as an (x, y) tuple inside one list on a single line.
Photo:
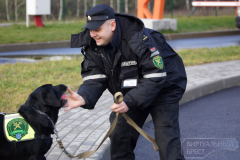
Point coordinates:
[(143, 66)]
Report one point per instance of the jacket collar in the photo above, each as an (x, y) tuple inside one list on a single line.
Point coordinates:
[(117, 36)]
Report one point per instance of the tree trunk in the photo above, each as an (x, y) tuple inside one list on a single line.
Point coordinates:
[(60, 10), (118, 6), (85, 6), (94, 3), (16, 14), (78, 8), (111, 3), (8, 18), (16, 8), (187, 5), (126, 6)]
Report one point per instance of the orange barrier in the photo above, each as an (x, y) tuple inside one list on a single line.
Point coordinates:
[(143, 11)]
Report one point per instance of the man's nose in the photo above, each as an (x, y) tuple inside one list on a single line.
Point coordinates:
[(92, 34)]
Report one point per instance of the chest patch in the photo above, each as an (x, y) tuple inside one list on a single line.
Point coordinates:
[(157, 61), (129, 63), (17, 129)]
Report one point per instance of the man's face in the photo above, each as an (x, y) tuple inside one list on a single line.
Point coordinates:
[(104, 33)]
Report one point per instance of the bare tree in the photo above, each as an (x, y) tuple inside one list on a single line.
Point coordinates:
[(111, 3), (60, 10), (8, 17), (94, 3), (16, 8), (126, 6), (78, 8), (118, 6), (187, 5), (85, 6)]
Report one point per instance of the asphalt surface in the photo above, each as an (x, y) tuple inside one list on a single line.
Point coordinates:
[(178, 44), (205, 42), (215, 116)]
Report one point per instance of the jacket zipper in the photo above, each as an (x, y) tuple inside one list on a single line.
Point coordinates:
[(110, 67)]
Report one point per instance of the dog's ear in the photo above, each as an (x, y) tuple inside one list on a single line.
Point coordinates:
[(48, 97), (37, 121)]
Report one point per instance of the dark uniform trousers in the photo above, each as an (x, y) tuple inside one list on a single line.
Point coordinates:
[(167, 132)]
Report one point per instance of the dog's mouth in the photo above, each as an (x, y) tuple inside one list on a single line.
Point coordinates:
[(63, 97), (63, 100)]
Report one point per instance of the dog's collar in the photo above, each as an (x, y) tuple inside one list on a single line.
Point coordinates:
[(54, 128), (43, 136), (40, 112)]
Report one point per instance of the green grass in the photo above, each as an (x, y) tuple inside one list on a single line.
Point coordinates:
[(199, 24), (62, 31), (18, 80), (205, 55), (51, 32)]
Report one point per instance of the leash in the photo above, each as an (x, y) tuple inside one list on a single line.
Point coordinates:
[(118, 98)]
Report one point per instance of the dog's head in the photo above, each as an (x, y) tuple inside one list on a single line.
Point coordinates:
[(46, 99)]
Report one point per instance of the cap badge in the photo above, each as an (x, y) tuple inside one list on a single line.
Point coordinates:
[(89, 18)]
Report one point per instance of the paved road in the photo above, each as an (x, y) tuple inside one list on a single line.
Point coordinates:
[(212, 116), (209, 42)]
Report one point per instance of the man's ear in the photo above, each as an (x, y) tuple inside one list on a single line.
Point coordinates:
[(49, 98), (113, 26)]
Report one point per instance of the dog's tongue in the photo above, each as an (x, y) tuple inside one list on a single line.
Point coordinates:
[(63, 97)]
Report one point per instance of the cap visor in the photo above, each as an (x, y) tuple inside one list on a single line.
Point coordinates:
[(93, 25)]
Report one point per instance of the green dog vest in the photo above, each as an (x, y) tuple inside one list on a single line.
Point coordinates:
[(17, 129)]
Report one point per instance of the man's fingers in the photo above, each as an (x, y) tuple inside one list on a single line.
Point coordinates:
[(121, 108), (67, 109), (116, 108), (70, 91)]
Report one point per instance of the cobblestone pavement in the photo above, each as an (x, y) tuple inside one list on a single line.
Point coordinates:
[(82, 130), (200, 74)]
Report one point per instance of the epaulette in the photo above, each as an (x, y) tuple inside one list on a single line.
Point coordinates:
[(154, 51)]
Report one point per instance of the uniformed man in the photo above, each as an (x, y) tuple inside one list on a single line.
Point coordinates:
[(122, 55)]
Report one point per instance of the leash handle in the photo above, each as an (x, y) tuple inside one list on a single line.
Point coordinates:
[(118, 97)]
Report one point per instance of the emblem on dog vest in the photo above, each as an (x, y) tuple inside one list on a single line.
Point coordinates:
[(17, 129), (157, 60)]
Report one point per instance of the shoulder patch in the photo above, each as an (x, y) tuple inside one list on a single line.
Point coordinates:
[(157, 61)]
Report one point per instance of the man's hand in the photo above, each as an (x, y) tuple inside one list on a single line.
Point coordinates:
[(120, 108), (73, 100)]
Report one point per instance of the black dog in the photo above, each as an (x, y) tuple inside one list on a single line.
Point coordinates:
[(44, 102)]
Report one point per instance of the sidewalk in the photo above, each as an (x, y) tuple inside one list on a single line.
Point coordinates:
[(82, 130)]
